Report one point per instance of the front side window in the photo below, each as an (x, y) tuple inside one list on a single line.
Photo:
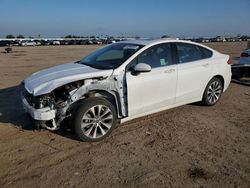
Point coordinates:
[(156, 56), (111, 56), (188, 52)]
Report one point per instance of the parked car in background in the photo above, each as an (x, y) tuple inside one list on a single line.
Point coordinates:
[(245, 57), (123, 81), (44, 42), (242, 69), (28, 43), (56, 42), (9, 43), (97, 42), (4, 43), (38, 42), (89, 42)]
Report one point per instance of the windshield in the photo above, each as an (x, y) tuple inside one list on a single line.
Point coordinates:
[(111, 56)]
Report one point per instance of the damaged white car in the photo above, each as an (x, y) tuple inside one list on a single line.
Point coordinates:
[(123, 81)]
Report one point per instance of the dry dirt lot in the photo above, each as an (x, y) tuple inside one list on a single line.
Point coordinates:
[(189, 146)]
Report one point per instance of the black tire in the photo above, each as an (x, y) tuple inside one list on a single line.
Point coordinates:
[(38, 124), (209, 94), (96, 126)]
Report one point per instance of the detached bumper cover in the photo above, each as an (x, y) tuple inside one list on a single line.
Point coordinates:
[(38, 114)]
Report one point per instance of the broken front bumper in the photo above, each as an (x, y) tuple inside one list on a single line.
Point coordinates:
[(43, 114)]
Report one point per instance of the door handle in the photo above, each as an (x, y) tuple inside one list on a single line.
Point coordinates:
[(169, 71), (205, 65)]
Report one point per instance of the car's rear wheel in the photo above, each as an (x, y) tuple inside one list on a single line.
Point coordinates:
[(94, 119), (212, 92)]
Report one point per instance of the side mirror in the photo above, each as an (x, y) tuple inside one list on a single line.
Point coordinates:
[(142, 67)]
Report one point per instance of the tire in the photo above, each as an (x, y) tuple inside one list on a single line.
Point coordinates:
[(94, 119), (212, 92), (38, 124)]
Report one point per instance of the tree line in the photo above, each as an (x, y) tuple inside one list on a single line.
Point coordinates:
[(10, 36)]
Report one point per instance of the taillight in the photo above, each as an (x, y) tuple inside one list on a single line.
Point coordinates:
[(244, 55), (229, 61)]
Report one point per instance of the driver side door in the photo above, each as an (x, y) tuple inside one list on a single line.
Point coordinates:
[(152, 91)]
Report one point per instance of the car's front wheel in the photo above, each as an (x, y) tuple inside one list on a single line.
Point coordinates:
[(212, 92), (94, 119)]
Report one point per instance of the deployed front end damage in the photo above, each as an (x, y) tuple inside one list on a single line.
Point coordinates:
[(50, 109), (91, 93)]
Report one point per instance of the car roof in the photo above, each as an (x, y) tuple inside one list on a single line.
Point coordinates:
[(146, 42)]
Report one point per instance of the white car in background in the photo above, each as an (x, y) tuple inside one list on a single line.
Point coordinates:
[(28, 43), (56, 42), (123, 81)]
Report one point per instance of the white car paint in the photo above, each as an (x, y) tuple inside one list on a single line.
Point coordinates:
[(45, 81), (28, 43), (57, 42), (192, 78), (152, 90)]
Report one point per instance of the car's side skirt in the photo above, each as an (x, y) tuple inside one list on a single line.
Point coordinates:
[(160, 109)]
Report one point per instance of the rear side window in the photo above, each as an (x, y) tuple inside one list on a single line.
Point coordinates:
[(188, 52), (205, 52)]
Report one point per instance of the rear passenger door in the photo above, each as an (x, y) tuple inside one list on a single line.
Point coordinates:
[(194, 70)]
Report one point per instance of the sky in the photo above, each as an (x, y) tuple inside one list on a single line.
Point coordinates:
[(144, 18)]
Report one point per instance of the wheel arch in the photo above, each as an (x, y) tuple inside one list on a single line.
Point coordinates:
[(221, 79), (111, 96), (215, 76), (205, 99)]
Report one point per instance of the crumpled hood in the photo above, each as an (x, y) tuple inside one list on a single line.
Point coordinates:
[(47, 80)]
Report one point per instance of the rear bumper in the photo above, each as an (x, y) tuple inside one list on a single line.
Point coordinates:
[(42, 114)]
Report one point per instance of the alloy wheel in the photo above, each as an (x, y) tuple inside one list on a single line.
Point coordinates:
[(214, 92), (97, 121)]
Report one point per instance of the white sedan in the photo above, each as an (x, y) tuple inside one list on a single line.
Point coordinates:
[(28, 43), (123, 81)]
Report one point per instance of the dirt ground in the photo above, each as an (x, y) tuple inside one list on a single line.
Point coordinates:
[(189, 146)]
